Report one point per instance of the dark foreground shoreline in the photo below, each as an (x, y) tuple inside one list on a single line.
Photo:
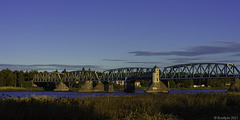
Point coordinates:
[(141, 107)]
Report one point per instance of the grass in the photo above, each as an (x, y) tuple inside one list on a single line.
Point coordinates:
[(10, 88), (192, 88), (141, 107), (202, 88), (141, 88)]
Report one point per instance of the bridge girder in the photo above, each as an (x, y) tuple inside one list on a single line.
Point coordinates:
[(131, 73), (181, 71), (200, 71), (67, 77)]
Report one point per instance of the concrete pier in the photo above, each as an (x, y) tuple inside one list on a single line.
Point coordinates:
[(99, 87), (33, 84), (235, 86), (129, 86), (86, 87), (61, 87), (109, 87), (157, 85)]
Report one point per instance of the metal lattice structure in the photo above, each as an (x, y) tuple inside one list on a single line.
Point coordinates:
[(182, 71), (133, 73), (200, 71), (67, 77)]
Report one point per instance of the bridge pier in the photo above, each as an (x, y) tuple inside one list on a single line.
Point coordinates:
[(129, 86), (235, 86), (99, 87), (109, 87), (60, 86), (157, 85), (33, 84), (87, 87)]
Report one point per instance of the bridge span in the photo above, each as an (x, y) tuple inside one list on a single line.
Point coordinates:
[(131, 74)]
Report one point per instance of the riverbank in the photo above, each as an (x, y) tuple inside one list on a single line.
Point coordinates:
[(202, 88), (192, 88), (10, 88), (153, 106)]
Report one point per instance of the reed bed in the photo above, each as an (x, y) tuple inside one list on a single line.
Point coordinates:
[(140, 107)]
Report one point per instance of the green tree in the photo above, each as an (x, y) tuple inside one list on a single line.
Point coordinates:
[(26, 76), (21, 78), (64, 71), (15, 76), (1, 79), (144, 83), (172, 84), (8, 77), (32, 73), (190, 83)]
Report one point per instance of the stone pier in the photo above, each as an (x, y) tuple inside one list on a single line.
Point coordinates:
[(109, 87), (99, 87), (87, 87), (235, 86), (129, 86), (33, 84), (60, 86), (157, 85)]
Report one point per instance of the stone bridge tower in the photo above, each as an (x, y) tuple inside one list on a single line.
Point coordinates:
[(157, 85)]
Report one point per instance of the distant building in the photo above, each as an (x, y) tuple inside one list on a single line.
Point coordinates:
[(120, 82), (228, 84), (196, 86), (137, 83)]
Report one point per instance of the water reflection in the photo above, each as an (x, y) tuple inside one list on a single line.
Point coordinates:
[(76, 94)]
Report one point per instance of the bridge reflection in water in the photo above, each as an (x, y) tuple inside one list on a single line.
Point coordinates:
[(157, 78)]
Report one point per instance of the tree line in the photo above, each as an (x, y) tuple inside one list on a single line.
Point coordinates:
[(213, 82), (23, 79), (16, 78)]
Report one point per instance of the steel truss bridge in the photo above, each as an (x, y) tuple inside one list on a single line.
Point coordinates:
[(182, 71)]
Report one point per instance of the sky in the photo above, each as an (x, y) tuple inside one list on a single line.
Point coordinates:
[(108, 34)]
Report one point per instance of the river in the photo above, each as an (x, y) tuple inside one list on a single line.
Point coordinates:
[(16, 94)]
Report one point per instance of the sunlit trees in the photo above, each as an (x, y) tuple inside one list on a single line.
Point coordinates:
[(21, 78), (16, 78)]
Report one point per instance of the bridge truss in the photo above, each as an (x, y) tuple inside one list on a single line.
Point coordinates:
[(133, 73), (67, 77), (200, 71), (182, 71)]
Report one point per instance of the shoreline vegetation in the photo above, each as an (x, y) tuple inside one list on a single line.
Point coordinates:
[(10, 88), (140, 107)]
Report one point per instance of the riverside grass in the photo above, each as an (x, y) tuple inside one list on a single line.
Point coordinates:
[(10, 88), (140, 107)]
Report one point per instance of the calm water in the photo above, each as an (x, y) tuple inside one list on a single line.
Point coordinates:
[(76, 94)]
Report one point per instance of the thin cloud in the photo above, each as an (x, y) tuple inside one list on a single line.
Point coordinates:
[(145, 62), (48, 67), (229, 61), (228, 47), (187, 60), (227, 42), (113, 60), (237, 54)]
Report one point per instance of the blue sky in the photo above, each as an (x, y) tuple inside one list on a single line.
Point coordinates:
[(106, 34)]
